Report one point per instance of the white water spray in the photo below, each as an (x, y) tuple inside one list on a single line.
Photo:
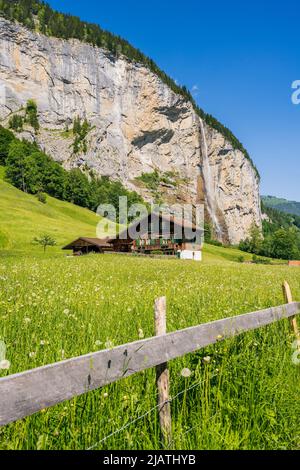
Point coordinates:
[(209, 184)]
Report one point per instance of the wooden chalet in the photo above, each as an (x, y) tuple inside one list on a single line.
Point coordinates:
[(85, 246), (157, 234), (164, 240)]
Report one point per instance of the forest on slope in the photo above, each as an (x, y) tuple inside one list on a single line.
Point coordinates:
[(283, 205), (32, 171)]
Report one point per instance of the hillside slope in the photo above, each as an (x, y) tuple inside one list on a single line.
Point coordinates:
[(283, 205), (23, 217)]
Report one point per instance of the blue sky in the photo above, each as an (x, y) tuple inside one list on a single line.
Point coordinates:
[(240, 58)]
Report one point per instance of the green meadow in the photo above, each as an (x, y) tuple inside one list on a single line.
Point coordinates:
[(247, 392), (23, 217), (54, 307)]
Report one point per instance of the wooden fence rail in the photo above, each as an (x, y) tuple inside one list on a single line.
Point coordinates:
[(26, 393)]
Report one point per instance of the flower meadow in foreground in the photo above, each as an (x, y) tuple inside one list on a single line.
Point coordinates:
[(246, 388)]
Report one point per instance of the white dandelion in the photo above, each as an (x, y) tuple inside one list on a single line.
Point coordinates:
[(4, 365), (207, 359), (141, 334), (186, 373)]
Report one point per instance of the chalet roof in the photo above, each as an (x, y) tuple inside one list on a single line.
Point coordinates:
[(98, 242), (177, 221)]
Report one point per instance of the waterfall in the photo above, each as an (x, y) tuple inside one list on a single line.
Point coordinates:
[(209, 184)]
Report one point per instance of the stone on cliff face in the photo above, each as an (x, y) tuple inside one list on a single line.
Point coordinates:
[(139, 124)]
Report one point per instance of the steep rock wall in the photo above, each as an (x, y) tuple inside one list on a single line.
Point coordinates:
[(138, 125)]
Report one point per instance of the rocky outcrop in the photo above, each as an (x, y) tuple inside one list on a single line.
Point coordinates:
[(138, 125)]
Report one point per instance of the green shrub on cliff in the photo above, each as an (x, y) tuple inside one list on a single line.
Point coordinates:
[(80, 131), (16, 123), (31, 115)]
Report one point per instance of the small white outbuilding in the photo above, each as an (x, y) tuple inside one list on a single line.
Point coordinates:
[(190, 255)]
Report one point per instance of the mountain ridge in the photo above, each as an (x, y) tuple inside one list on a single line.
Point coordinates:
[(281, 204), (40, 17)]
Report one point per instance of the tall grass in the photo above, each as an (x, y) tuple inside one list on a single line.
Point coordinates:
[(246, 389)]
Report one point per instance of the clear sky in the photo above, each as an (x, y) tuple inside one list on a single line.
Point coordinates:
[(239, 58)]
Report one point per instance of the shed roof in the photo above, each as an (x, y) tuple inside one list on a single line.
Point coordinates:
[(98, 242)]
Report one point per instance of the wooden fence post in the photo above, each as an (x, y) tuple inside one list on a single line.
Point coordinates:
[(162, 375), (289, 300)]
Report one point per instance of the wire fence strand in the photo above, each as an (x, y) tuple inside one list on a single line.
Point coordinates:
[(147, 413), (193, 428), (124, 427)]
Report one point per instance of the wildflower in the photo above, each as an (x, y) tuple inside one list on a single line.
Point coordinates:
[(186, 373), (4, 365), (219, 337), (44, 343), (32, 354), (141, 334), (105, 395), (66, 311), (27, 320), (207, 359)]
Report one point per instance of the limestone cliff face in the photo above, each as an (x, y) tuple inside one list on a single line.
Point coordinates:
[(139, 125)]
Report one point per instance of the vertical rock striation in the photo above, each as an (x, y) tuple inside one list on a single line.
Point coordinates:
[(138, 125)]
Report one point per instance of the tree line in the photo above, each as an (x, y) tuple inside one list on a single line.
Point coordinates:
[(39, 16), (280, 237), (31, 170)]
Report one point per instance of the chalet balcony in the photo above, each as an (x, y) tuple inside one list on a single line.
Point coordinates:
[(172, 245)]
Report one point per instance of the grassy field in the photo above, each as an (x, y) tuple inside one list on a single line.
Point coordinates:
[(23, 217), (53, 307)]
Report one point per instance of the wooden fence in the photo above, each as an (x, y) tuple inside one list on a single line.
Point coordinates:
[(26, 393)]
